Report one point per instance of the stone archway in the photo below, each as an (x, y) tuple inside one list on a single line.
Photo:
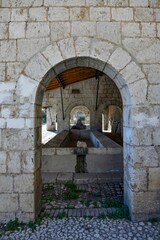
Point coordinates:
[(80, 112), (62, 55)]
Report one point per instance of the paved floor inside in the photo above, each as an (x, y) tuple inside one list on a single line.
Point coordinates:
[(82, 195)]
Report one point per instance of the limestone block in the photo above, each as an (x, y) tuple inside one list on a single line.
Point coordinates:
[(64, 3), (27, 162), (109, 31), (139, 3), (143, 118), (2, 72), (37, 29), (80, 13), (116, 3), (9, 202), (148, 30), (85, 28), (82, 46), (3, 30), (93, 63), (41, 65), (6, 183), (26, 94), (24, 183), (122, 14), (14, 162), (3, 162), (153, 93), (0, 138), (146, 205), (18, 139), (100, 14), (67, 48), (15, 123), (146, 156), (33, 46), (154, 179), (138, 91), (131, 29), (14, 70), (138, 179), (145, 50), (143, 136), (132, 73), (58, 14), (95, 2), (6, 92), (152, 72), (60, 30), (157, 14), (52, 54), (29, 123), (8, 50), (155, 3), (26, 110), (119, 59), (38, 14), (27, 202), (38, 156), (19, 14), (5, 15), (158, 29), (22, 3), (17, 30), (144, 14), (156, 136)]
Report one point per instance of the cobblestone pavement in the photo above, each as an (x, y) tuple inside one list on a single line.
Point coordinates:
[(87, 217), (88, 229)]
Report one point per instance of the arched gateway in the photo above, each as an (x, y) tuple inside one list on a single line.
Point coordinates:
[(26, 138)]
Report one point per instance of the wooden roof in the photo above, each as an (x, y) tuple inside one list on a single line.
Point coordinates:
[(72, 76)]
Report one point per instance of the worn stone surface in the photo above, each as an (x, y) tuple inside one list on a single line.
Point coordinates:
[(120, 38)]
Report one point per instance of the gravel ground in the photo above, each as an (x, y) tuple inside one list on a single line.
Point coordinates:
[(88, 229)]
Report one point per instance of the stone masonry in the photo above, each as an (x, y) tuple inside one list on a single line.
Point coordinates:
[(40, 39)]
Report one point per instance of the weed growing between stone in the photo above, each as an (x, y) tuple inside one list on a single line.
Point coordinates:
[(62, 215), (14, 225)]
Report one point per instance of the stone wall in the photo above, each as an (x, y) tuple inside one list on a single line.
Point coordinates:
[(108, 94), (41, 38)]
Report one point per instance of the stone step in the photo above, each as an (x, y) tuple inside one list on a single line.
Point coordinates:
[(82, 178)]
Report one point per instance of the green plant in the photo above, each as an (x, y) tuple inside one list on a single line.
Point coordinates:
[(102, 216), (71, 186), (14, 225), (71, 191), (68, 195), (110, 202), (35, 223), (119, 213), (61, 215)]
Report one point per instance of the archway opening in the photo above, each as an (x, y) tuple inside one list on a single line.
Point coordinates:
[(80, 117), (78, 105)]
